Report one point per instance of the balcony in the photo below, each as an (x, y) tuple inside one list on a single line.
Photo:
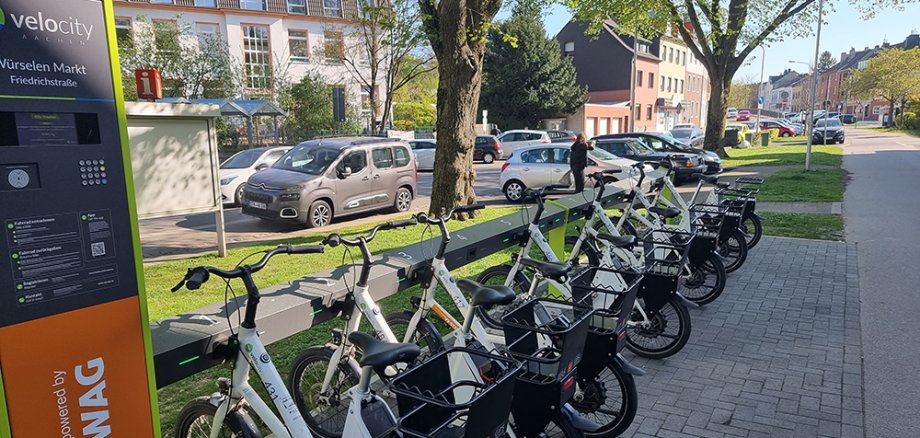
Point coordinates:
[(310, 8)]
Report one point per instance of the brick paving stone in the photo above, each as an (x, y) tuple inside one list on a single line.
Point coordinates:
[(778, 354)]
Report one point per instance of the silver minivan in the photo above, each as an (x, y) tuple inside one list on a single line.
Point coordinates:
[(319, 180)]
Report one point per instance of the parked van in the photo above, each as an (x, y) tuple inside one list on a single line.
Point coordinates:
[(319, 180)]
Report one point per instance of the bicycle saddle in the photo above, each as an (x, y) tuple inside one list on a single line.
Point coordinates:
[(556, 271), (379, 355), (665, 212), (626, 241), (486, 296)]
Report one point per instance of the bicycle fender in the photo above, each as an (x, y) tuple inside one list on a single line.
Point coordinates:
[(627, 366), (238, 418), (351, 360), (577, 421), (687, 303)]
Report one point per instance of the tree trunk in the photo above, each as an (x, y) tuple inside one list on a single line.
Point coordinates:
[(890, 113), (715, 118), (458, 98)]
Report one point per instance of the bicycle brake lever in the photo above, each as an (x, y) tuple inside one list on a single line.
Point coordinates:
[(181, 282)]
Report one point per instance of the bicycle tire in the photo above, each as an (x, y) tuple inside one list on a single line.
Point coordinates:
[(628, 406), (587, 256), (337, 398), (659, 324), (712, 266), (754, 232), (200, 412), (733, 251), (424, 331), (494, 276), (628, 227)]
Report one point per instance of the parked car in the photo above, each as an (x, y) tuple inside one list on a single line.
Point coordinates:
[(236, 170), (319, 180), (684, 126), (797, 128), (743, 130), (782, 130), (683, 163), (564, 136), (692, 136), (665, 143), (732, 113), (424, 153), (516, 138), (487, 148), (831, 129), (743, 116), (543, 165), (789, 116), (848, 119)]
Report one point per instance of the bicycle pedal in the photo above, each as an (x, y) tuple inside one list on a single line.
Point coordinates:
[(337, 336)]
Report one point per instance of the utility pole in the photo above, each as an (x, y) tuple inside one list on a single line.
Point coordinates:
[(814, 88)]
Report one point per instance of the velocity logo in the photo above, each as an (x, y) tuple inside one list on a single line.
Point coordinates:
[(41, 23)]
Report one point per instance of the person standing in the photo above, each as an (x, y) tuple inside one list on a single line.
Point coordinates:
[(579, 160)]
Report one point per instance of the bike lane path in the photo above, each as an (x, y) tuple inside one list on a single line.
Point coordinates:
[(881, 210)]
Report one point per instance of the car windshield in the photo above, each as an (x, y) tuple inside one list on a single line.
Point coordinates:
[(681, 133), (309, 159), (601, 154), (670, 139), (242, 160), (829, 122)]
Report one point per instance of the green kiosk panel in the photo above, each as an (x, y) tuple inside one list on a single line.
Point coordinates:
[(74, 344)]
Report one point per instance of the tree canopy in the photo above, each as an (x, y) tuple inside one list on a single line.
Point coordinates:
[(525, 79), (893, 75), (826, 61)]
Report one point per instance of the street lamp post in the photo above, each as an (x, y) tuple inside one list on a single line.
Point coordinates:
[(763, 58), (814, 88)]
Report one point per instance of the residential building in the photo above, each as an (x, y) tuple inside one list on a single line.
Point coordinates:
[(603, 64), (673, 76), (781, 96), (696, 94), (272, 39)]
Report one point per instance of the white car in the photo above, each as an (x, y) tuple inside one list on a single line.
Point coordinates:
[(543, 165), (732, 113), (516, 138), (236, 170), (424, 153)]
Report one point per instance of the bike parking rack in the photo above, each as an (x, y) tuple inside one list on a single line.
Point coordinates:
[(183, 345)]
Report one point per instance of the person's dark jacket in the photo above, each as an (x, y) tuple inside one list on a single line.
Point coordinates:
[(579, 157)]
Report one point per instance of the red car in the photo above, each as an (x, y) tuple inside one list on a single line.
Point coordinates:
[(743, 115), (783, 131)]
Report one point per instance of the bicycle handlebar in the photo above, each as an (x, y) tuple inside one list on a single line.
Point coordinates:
[(197, 276), (333, 240), (423, 218)]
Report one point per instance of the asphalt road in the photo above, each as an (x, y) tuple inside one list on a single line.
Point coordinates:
[(882, 212), (183, 235)]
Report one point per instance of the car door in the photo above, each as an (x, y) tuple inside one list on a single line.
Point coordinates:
[(353, 192), (537, 167), (383, 175), (561, 166), (511, 141)]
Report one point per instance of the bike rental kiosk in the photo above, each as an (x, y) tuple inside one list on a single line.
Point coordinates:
[(75, 351)]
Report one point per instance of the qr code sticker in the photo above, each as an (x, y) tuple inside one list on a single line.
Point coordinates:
[(98, 249)]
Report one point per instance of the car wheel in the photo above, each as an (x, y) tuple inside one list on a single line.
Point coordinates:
[(786, 134), (514, 190), (488, 158), (320, 214), (238, 198), (403, 200)]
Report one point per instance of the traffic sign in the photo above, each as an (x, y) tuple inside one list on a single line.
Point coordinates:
[(760, 100)]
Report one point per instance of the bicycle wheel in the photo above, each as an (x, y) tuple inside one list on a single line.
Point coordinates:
[(706, 282), (325, 413), (197, 415), (753, 230), (425, 336), (497, 275), (587, 255), (610, 401), (629, 227), (733, 251), (663, 335)]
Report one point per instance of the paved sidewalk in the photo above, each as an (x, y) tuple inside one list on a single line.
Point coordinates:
[(778, 354)]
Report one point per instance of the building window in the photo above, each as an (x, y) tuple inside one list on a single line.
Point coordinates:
[(569, 47), (298, 45), (332, 8), (334, 46), (297, 6), (643, 47), (257, 57), (206, 3), (662, 83), (648, 111), (252, 5), (669, 84), (124, 32), (685, 57), (338, 104), (875, 110), (161, 2), (638, 112), (639, 78), (207, 33), (670, 54), (651, 80), (366, 100), (681, 86)]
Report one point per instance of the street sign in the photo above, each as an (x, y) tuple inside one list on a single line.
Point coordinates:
[(74, 338), (760, 100), (149, 84)]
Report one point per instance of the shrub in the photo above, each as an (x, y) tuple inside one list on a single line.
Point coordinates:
[(907, 120)]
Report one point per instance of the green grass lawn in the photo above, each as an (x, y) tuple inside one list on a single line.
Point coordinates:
[(913, 132), (792, 185), (803, 225), (794, 138), (783, 155)]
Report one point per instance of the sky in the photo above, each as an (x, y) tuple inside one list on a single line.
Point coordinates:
[(844, 28)]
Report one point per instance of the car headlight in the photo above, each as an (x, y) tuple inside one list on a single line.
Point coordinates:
[(227, 180), (289, 196)]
